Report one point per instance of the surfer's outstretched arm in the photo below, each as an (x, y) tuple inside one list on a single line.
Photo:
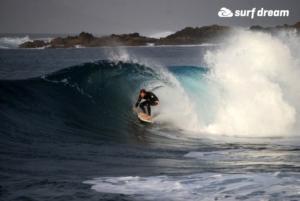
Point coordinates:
[(137, 103)]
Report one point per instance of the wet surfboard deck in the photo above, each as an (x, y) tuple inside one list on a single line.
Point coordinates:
[(142, 118)]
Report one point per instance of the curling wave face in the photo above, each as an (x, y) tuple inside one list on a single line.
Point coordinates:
[(250, 88), (97, 98)]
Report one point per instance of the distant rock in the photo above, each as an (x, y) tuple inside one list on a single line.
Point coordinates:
[(187, 36), (133, 39), (88, 40), (192, 36), (34, 44), (83, 39), (275, 30)]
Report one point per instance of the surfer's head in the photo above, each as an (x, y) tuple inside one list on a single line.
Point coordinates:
[(143, 93)]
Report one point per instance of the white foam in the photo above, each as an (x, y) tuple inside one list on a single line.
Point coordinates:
[(13, 42), (79, 46), (207, 186), (257, 87), (161, 34), (180, 112)]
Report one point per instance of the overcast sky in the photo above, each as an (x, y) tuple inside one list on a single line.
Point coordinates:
[(126, 16)]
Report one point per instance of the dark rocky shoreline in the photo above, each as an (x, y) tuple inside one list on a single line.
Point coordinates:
[(188, 36)]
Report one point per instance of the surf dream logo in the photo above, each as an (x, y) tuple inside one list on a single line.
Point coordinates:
[(225, 12)]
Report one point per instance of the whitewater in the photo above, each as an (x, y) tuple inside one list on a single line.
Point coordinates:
[(227, 127)]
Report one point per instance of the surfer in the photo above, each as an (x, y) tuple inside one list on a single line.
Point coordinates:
[(151, 100)]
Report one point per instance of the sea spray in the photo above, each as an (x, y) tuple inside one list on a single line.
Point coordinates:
[(12, 42), (258, 74)]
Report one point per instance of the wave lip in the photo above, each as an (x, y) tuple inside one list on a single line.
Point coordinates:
[(96, 97)]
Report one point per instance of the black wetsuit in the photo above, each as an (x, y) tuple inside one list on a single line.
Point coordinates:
[(150, 100)]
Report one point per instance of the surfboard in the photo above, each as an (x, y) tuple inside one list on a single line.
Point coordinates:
[(141, 118)]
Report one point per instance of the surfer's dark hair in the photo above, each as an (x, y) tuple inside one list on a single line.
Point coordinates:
[(142, 91)]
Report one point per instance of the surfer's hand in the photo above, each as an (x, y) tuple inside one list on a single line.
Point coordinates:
[(157, 102), (134, 108)]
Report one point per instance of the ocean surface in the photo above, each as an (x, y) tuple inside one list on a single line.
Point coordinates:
[(227, 128)]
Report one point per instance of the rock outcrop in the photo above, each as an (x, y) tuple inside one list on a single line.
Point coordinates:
[(88, 40), (275, 30), (34, 44), (187, 36), (192, 36)]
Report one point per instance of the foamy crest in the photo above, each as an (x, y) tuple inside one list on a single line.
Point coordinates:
[(258, 76), (176, 107)]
